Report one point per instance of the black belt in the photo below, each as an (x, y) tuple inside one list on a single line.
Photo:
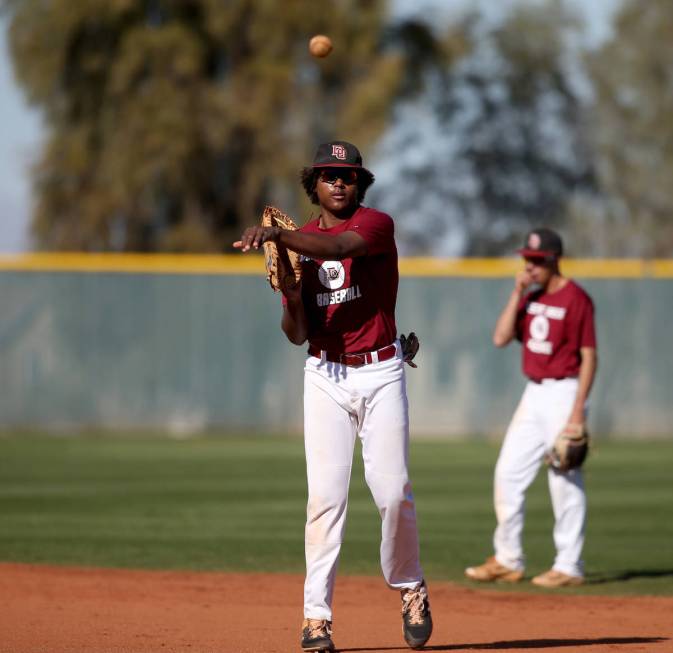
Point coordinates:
[(355, 360)]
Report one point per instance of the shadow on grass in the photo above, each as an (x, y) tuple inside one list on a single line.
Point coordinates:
[(598, 578), (522, 643)]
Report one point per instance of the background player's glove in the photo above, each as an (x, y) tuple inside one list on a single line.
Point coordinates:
[(273, 217), (570, 448), (410, 347)]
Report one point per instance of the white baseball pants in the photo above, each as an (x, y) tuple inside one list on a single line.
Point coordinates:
[(542, 412), (341, 403)]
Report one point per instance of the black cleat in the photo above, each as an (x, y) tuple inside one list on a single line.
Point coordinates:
[(416, 617), (316, 635)]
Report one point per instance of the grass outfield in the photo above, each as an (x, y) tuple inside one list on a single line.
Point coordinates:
[(238, 503)]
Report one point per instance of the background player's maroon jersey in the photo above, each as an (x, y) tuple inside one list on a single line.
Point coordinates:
[(552, 328)]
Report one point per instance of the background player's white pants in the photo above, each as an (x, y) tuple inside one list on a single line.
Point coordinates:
[(340, 403), (542, 412)]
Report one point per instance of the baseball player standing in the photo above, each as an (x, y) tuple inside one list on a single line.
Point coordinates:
[(354, 384), (555, 324)]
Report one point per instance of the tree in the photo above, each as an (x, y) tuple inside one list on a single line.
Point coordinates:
[(633, 135), (172, 122), (494, 144)]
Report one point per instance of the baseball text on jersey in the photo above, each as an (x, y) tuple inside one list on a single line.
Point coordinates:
[(338, 296)]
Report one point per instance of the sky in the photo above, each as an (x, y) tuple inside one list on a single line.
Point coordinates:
[(21, 129), (20, 135)]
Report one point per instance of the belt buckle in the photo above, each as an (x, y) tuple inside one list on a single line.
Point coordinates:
[(343, 359)]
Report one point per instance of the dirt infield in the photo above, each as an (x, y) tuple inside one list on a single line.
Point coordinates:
[(71, 610)]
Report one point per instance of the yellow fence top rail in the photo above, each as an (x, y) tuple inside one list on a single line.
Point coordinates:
[(252, 264)]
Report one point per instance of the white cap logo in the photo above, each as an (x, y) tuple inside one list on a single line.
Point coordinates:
[(534, 241), (339, 152)]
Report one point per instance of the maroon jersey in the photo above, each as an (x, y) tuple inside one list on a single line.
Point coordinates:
[(552, 328), (350, 304)]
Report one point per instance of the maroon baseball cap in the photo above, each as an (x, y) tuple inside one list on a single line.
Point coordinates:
[(339, 154), (542, 243)]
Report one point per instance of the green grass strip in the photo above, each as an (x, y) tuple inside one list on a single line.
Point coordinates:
[(238, 504)]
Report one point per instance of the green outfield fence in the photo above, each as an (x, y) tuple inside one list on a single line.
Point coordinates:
[(188, 343)]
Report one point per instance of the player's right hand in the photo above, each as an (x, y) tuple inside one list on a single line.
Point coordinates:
[(254, 237), (522, 280)]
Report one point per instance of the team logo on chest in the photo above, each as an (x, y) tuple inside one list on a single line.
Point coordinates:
[(540, 326), (332, 274)]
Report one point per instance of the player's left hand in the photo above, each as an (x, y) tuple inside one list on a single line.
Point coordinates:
[(255, 237), (570, 448), (410, 347), (290, 286)]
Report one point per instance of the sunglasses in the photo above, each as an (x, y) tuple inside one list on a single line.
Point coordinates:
[(330, 176)]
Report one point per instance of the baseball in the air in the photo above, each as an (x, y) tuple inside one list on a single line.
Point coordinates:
[(320, 45)]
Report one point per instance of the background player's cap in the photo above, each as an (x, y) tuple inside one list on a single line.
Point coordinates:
[(339, 154), (542, 243)]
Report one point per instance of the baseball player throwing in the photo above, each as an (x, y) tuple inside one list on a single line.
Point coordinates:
[(354, 384), (555, 324)]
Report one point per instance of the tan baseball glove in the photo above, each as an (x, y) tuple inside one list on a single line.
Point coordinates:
[(570, 448), (283, 266)]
